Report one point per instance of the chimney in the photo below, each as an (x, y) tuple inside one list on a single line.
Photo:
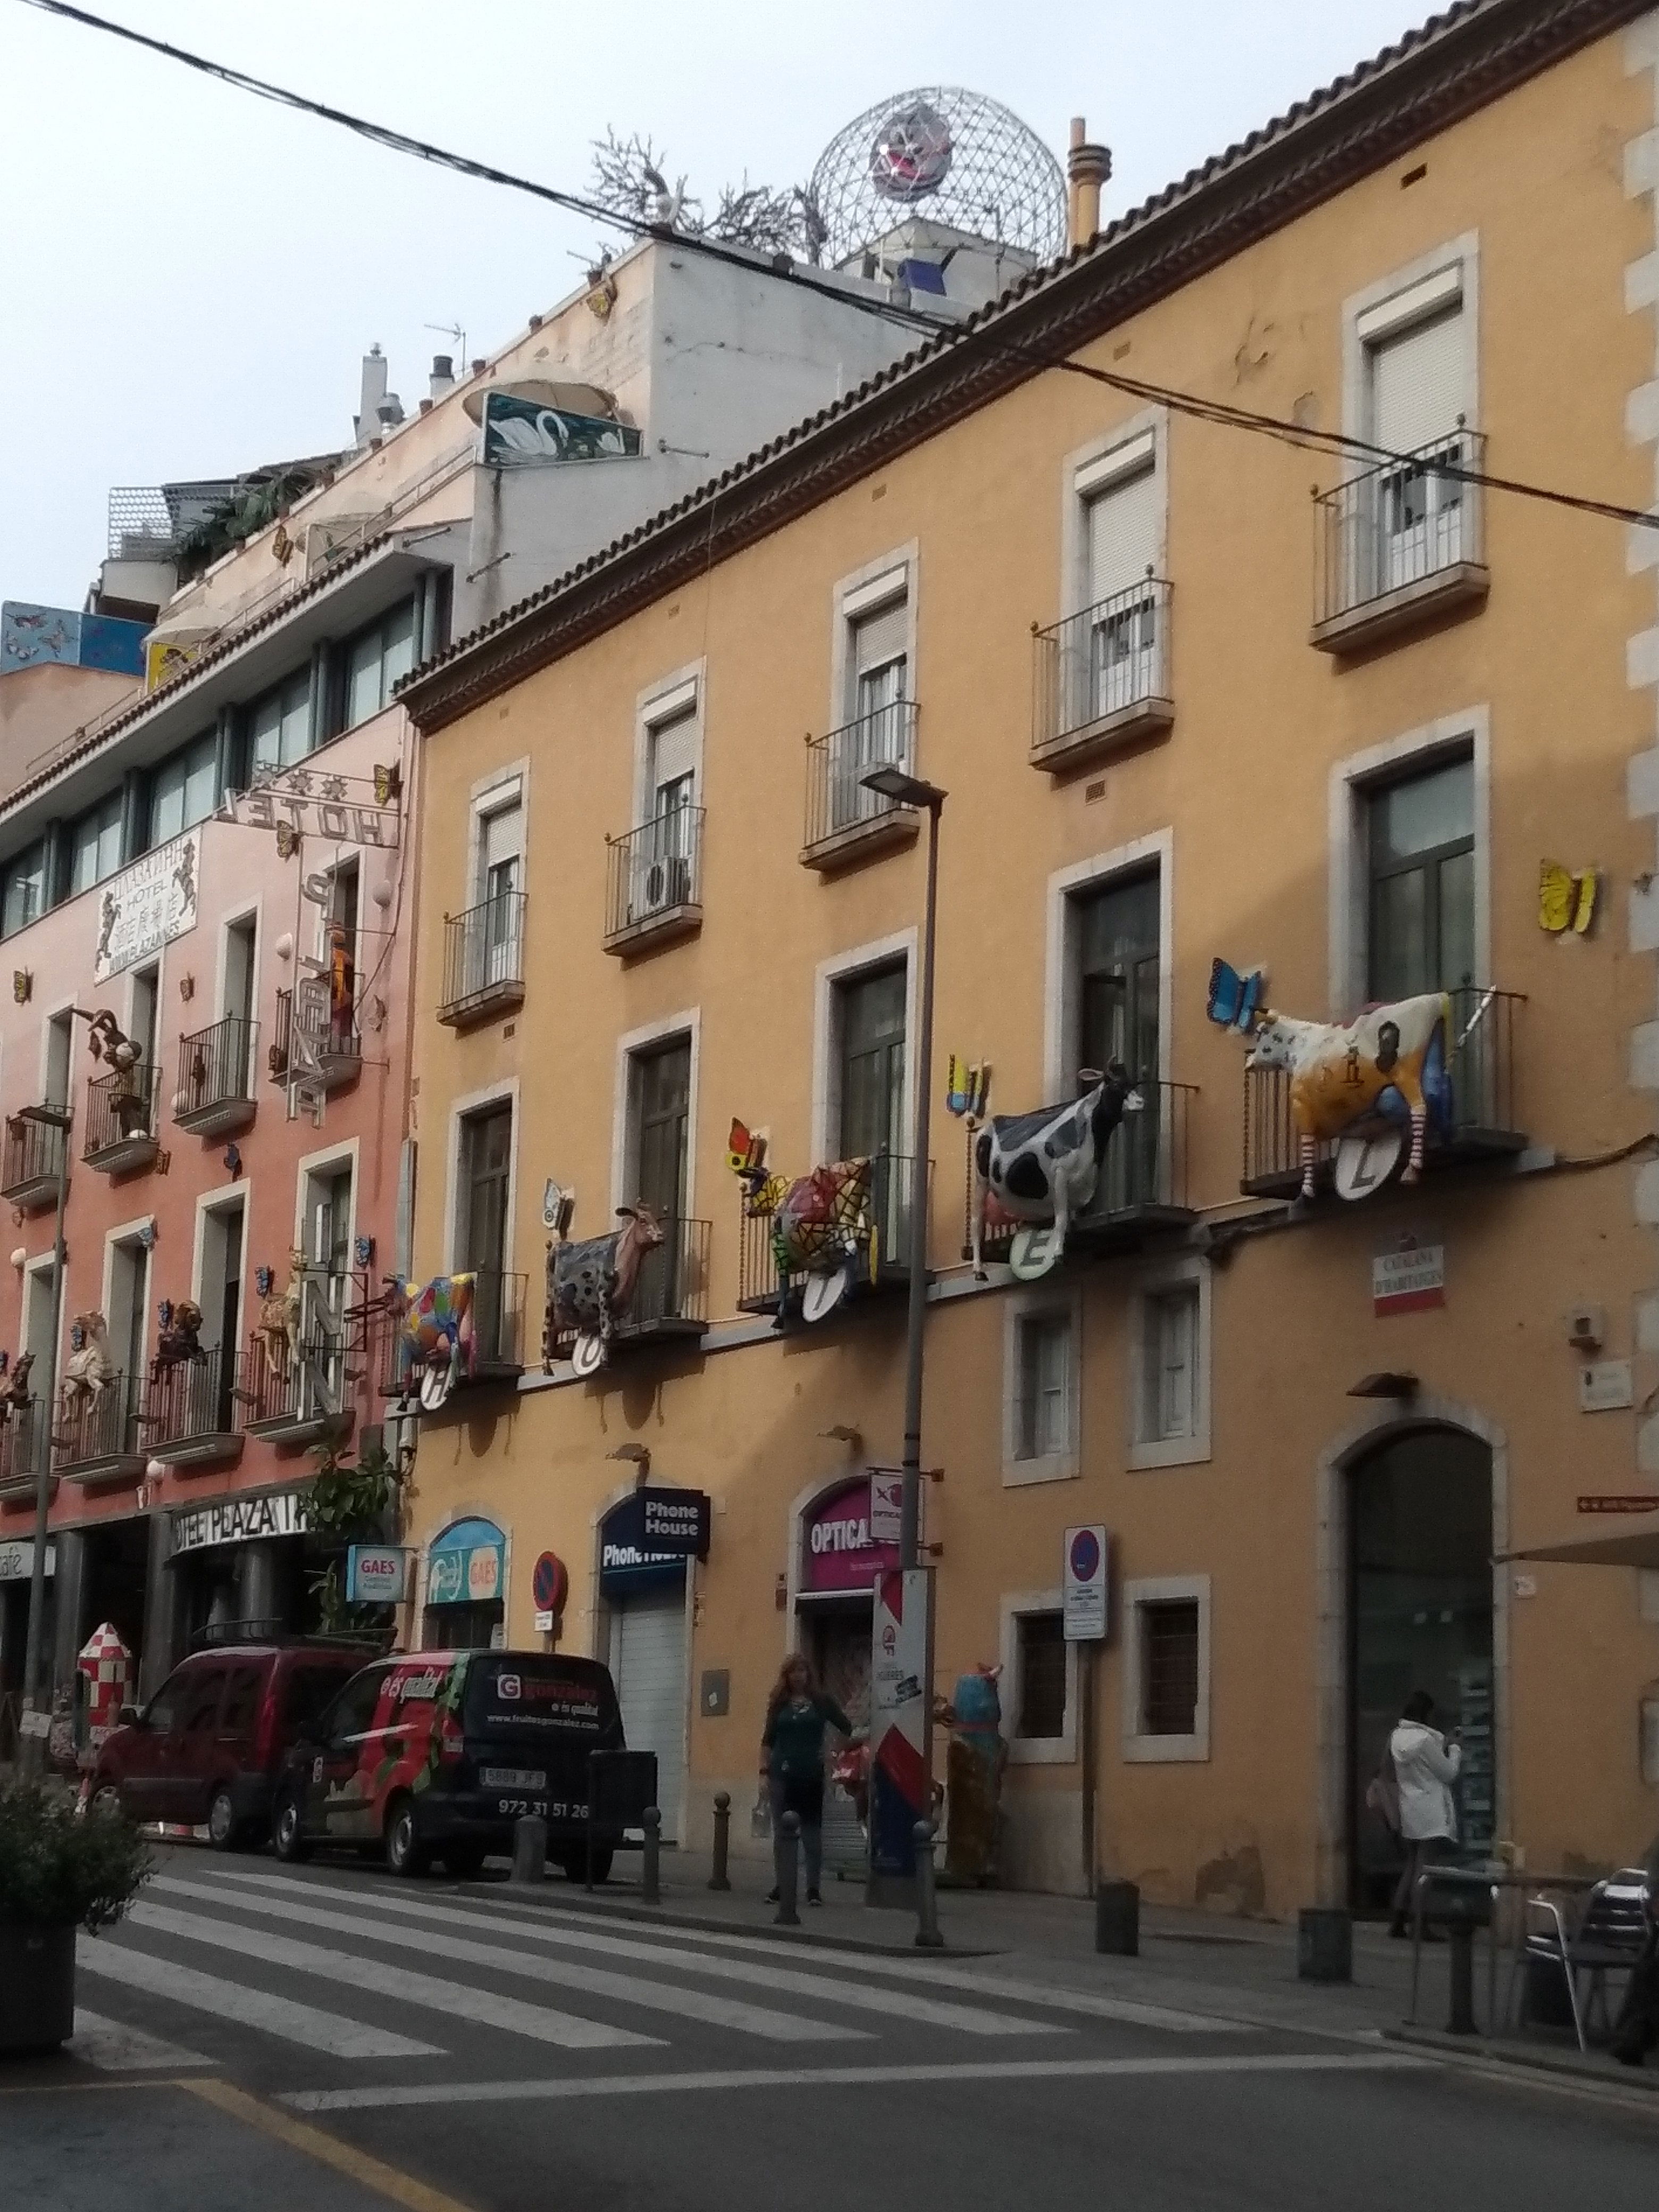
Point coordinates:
[(390, 412), (1087, 168), (443, 375), (373, 391)]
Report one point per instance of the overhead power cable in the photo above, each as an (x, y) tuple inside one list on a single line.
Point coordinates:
[(1221, 413)]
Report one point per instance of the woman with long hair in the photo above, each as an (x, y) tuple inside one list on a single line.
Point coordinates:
[(792, 1763)]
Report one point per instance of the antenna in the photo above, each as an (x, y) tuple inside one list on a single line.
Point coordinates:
[(451, 331)]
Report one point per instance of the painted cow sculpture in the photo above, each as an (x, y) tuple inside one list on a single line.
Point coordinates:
[(437, 1334), (591, 1283), (1045, 1165), (820, 1222)]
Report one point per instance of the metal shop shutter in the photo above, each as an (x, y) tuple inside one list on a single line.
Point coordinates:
[(647, 1661)]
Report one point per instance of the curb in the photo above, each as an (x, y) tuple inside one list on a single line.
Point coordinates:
[(1635, 2087), (559, 1900)]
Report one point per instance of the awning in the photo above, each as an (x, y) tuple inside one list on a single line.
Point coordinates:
[(1632, 1543)]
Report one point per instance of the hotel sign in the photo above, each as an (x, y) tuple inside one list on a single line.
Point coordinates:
[(240, 1521), (146, 906), (302, 802)]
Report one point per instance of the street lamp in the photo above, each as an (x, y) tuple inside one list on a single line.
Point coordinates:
[(59, 1118)]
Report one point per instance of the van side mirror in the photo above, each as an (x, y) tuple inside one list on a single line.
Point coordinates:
[(129, 1717)]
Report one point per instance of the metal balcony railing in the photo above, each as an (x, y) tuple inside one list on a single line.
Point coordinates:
[(18, 1434), (1109, 664), (276, 1394), (483, 956), (670, 1298), (1484, 1116), (338, 1046), (216, 1075), (884, 1239), (839, 809), (189, 1402), (653, 878), (1143, 1183), (121, 1116), (33, 1159), (1398, 527), (102, 1433), (494, 1327)]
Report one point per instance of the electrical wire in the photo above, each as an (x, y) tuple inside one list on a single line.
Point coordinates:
[(1221, 413)]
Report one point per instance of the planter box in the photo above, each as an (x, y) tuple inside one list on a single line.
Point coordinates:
[(37, 1989)]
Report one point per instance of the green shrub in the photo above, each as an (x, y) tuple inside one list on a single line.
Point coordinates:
[(58, 1865)]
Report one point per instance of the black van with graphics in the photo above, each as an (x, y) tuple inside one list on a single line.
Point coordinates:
[(437, 1754)]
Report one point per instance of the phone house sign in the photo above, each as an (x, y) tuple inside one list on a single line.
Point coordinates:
[(240, 1521)]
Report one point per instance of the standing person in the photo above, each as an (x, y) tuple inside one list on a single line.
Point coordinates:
[(1425, 1765), (792, 1761)]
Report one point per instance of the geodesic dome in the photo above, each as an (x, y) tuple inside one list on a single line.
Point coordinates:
[(948, 155)]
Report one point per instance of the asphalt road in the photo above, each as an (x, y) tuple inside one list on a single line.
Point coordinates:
[(255, 2036)]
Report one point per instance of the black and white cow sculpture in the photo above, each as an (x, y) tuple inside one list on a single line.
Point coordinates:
[(1045, 1166)]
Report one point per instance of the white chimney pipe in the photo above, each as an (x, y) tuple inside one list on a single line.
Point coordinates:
[(372, 392), (443, 375)]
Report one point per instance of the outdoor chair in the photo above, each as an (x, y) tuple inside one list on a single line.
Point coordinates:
[(1608, 1939)]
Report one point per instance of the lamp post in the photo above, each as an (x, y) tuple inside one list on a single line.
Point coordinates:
[(59, 1118)]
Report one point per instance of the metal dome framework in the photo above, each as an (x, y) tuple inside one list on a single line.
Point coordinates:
[(945, 156)]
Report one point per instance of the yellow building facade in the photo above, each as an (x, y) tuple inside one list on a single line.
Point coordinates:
[(1181, 713)]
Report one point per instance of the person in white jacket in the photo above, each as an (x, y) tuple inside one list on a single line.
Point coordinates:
[(1425, 1765)]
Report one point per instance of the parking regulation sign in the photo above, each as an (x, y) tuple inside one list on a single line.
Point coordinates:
[(1084, 1584)]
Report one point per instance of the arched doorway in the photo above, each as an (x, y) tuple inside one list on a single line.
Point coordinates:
[(1420, 1522), (465, 1608)]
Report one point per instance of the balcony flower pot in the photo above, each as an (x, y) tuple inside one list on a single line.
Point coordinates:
[(61, 1870)]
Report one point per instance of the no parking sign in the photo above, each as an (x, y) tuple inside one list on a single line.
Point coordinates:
[(1084, 1583)]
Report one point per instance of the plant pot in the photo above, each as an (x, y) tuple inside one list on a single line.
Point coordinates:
[(37, 1988)]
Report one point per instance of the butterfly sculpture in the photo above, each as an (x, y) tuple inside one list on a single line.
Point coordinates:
[(1565, 900)]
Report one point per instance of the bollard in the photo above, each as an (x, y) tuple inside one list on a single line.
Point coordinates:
[(789, 1859), (1461, 1931), (927, 1935), (650, 1868), (719, 1879), (1324, 1943), (1117, 1918), (530, 1848)]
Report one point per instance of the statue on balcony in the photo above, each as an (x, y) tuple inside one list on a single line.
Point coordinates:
[(17, 1397), (1043, 1168), (179, 1343), (591, 1283), (107, 1040), (89, 1367), (279, 1316), (821, 1229), (437, 1344), (1390, 1065)]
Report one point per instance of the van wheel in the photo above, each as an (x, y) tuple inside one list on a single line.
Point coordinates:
[(287, 1836), (576, 1863), (405, 1853), (225, 1831), (107, 1799)]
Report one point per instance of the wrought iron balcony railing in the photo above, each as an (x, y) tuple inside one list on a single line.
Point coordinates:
[(19, 1433), (121, 1119), (1143, 1184), (483, 959), (844, 818), (1102, 677), (492, 1334), (187, 1411), (33, 1158), (99, 1436), (215, 1091), (670, 1298), (884, 1240), (292, 1398), (1399, 542), (654, 880), (336, 1045)]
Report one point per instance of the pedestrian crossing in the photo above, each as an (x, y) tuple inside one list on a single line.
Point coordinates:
[(359, 1972)]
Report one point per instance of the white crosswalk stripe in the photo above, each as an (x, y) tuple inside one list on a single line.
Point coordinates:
[(115, 2048), (483, 2006), (824, 1988), (272, 2015), (299, 1904)]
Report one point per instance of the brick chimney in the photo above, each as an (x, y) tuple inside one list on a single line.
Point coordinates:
[(1087, 168)]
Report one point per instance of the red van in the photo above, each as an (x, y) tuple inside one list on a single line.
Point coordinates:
[(439, 1753), (209, 1745)]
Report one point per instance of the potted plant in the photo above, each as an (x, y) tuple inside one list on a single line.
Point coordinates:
[(60, 1870)]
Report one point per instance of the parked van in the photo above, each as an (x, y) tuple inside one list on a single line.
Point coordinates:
[(439, 1753), (209, 1745)]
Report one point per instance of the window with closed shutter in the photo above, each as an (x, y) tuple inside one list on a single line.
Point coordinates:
[(1418, 383), (1123, 637), (494, 952)]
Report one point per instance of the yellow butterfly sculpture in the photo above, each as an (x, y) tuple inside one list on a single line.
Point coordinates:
[(1566, 901)]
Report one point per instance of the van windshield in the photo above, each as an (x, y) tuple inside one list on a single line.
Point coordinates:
[(534, 1695)]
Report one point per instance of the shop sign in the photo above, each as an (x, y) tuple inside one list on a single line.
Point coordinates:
[(1084, 1610), (146, 906), (886, 1504), (839, 1549), (1648, 1503), (240, 1521), (900, 1740), (17, 1560), (628, 1563), (1409, 1279), (376, 1574), (1605, 1386), (464, 1567)]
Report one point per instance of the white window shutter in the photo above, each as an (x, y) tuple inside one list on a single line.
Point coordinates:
[(503, 836), (673, 750), (881, 637), (1418, 389), (1123, 536)]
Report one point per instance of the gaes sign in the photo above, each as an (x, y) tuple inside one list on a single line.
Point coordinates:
[(376, 1574)]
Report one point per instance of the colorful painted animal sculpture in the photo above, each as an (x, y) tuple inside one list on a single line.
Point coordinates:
[(89, 1366), (591, 1283), (437, 1332), (1045, 1165)]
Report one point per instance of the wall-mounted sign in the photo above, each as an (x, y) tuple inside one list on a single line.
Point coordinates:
[(17, 1560), (342, 810), (1629, 1502), (645, 1539), (839, 1549), (1605, 1386), (146, 906), (518, 429), (1084, 1609), (550, 1586), (166, 658), (376, 1574), (901, 1720), (30, 636), (1409, 1279), (240, 1521), (465, 1564), (886, 1504)]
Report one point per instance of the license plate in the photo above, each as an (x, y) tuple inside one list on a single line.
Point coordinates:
[(510, 1777)]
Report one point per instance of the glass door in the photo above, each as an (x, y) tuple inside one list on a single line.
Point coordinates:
[(1119, 978), (662, 1140), (872, 1046)]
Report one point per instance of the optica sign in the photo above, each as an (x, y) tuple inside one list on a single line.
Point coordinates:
[(837, 1552)]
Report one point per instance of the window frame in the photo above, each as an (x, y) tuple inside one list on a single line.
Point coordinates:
[(1394, 304), (866, 590), (1020, 1311), (1145, 1449), (295, 679), (207, 741), (12, 871), (1091, 471), (1066, 890), (349, 645), (631, 1048), (1137, 1747), (106, 813), (462, 1109), (1427, 863), (828, 978), (1036, 1750), (680, 695)]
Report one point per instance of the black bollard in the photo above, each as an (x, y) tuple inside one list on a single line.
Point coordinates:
[(927, 1935), (1117, 1918), (651, 1866), (788, 1862), (530, 1848), (719, 1879), (1324, 1943), (1460, 1933)]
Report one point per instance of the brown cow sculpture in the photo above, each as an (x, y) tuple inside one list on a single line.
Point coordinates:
[(591, 1284)]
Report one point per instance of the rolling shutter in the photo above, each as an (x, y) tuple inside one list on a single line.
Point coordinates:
[(647, 1663), (1418, 383), (1122, 534), (503, 836)]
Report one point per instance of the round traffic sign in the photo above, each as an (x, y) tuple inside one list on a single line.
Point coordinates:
[(549, 1583), (1085, 1555)]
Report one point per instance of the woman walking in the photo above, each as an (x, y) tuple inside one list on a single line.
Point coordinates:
[(792, 1763)]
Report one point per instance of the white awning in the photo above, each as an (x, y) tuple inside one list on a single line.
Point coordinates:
[(1631, 1541)]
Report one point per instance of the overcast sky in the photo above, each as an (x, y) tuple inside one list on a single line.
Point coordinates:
[(193, 274)]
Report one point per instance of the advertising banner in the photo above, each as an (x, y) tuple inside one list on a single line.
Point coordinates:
[(240, 1520), (146, 906), (17, 1560), (901, 1721)]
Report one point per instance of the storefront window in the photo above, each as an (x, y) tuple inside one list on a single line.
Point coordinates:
[(466, 1588)]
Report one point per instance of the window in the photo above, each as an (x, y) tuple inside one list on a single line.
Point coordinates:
[(242, 1700), (1123, 507), (483, 1222), (279, 725), (129, 1278), (343, 958), (1042, 1712), (199, 1712), (22, 888), (1170, 1351), (376, 660), (871, 1025), (661, 1138), (1419, 844), (60, 1046), (328, 1219), (306, 1693), (184, 790), (1039, 1680), (1416, 386), (95, 844), (876, 729), (1045, 1360), (1115, 989), (1166, 1672), (663, 855), (352, 1713)]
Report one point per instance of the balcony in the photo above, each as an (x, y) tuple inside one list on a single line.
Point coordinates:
[(214, 1095), (1400, 546), (121, 1121), (1142, 1192), (18, 1473), (335, 1049), (846, 823), (491, 1334), (302, 1400), (33, 1160), (187, 1414), (883, 1236), (653, 882), (1482, 1126), (101, 1440), (483, 961), (670, 1298), (1102, 678)]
